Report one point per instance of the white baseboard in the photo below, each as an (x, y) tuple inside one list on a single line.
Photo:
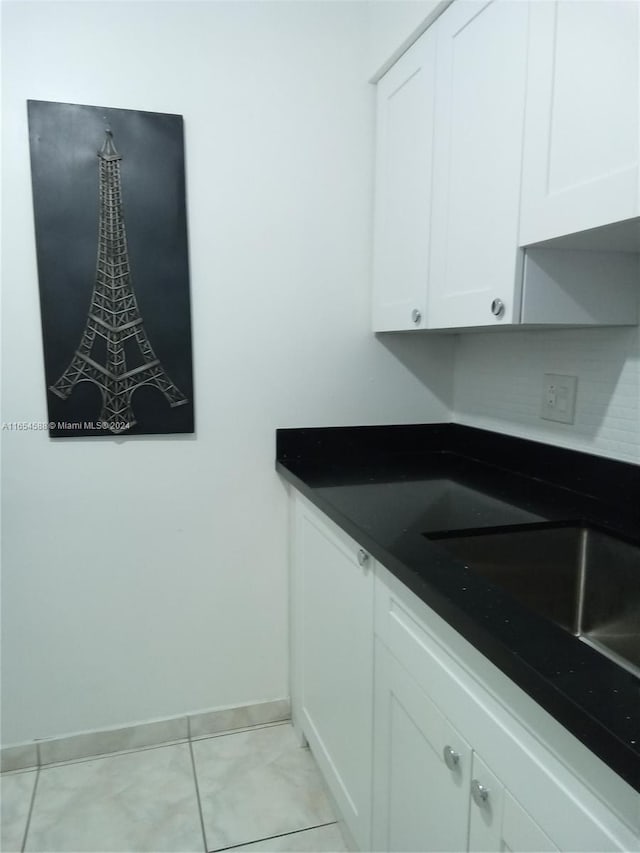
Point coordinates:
[(187, 727)]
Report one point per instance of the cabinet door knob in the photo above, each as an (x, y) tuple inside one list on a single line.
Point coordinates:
[(416, 315), (363, 557), (497, 307), (479, 793), (451, 758)]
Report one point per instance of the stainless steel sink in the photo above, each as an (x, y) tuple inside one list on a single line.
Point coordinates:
[(586, 581)]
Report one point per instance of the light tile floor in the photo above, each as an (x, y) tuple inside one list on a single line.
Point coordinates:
[(256, 789)]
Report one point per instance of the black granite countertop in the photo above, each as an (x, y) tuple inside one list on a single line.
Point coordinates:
[(389, 486)]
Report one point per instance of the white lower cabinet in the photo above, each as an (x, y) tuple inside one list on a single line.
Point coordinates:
[(520, 831), (420, 803), (332, 660), (497, 821), (431, 791), (431, 748), (509, 790)]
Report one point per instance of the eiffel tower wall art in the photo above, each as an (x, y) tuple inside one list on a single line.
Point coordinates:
[(111, 240)]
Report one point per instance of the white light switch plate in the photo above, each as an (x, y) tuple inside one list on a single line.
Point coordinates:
[(559, 398)]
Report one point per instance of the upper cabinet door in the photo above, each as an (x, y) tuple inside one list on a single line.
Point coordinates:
[(402, 212), (582, 131), (481, 82)]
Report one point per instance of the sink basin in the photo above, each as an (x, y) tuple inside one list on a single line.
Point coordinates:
[(586, 581)]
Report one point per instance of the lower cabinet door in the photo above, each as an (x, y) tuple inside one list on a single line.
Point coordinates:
[(422, 767), (497, 821), (487, 806), (332, 646), (520, 832)]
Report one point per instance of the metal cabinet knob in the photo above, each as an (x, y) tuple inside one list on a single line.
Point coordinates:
[(497, 307), (451, 758), (363, 557), (416, 315), (479, 793)]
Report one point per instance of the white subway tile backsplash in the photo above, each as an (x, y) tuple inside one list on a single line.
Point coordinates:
[(498, 386)]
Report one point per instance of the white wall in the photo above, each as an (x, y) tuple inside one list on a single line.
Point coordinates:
[(392, 25), (498, 386), (145, 578)]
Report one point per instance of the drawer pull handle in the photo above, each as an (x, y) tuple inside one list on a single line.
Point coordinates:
[(479, 793), (451, 758)]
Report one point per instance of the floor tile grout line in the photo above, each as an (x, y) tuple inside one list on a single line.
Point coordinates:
[(272, 837), (30, 813), (87, 759), (198, 799)]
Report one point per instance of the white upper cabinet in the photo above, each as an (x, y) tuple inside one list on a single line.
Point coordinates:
[(510, 123), (481, 82), (402, 215), (582, 131)]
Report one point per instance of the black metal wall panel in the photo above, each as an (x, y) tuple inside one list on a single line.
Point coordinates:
[(111, 238)]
